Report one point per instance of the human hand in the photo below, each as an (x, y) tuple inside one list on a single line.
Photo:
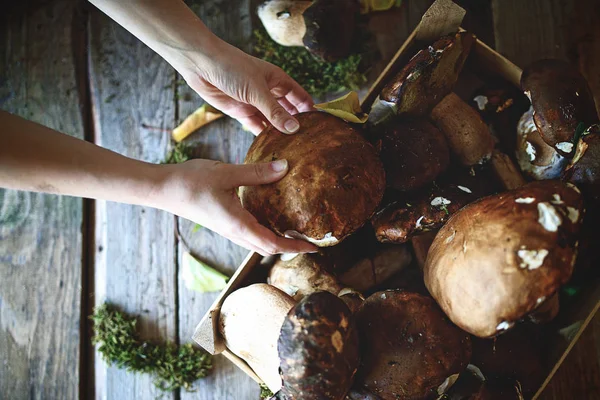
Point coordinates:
[(248, 89), (204, 191)]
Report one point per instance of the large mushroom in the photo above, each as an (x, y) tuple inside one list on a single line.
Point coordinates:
[(303, 351), (561, 100), (325, 27), (410, 350), (429, 76), (498, 259), (334, 184), (414, 153)]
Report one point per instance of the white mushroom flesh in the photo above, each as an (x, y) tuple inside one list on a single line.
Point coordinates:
[(465, 189), (481, 102), (531, 259), (549, 218), (566, 147), (440, 201), (327, 240), (525, 200)]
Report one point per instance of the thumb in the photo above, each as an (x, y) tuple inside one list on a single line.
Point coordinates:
[(257, 174), (274, 112)]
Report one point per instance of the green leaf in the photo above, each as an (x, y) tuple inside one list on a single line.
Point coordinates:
[(200, 277), (197, 227), (265, 392)]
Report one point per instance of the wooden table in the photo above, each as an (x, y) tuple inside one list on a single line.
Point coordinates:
[(66, 65)]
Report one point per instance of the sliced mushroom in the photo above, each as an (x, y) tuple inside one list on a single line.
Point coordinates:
[(250, 322), (318, 348), (303, 275), (536, 158), (284, 20), (468, 136), (334, 183), (429, 210), (561, 100), (410, 350), (325, 27), (414, 153), (429, 76), (498, 259)]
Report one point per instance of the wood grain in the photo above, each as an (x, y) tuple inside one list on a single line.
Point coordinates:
[(135, 246), (40, 235), (223, 140), (525, 32)]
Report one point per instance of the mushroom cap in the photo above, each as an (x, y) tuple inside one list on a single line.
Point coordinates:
[(303, 275), (250, 321), (283, 20), (499, 390), (409, 347), (330, 26), (318, 348), (334, 183), (561, 99), (430, 209), (536, 158), (585, 170), (429, 76), (497, 259), (414, 153)]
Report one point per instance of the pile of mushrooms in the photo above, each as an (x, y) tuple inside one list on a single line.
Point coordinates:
[(431, 240), (324, 27)]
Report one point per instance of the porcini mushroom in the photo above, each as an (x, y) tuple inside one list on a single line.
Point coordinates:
[(324, 27), (410, 350), (429, 76), (307, 350), (414, 153), (334, 183), (498, 259), (561, 100), (468, 136)]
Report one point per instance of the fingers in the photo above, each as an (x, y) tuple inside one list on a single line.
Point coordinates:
[(275, 113), (254, 174), (287, 105), (256, 124), (293, 93)]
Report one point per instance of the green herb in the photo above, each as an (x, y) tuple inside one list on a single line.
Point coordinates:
[(118, 341), (318, 77), (578, 133), (445, 208), (179, 154), (197, 227), (265, 392)]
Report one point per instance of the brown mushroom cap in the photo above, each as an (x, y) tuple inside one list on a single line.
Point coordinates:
[(499, 390), (429, 75), (561, 99), (330, 26), (414, 153), (302, 275), (427, 210), (318, 348), (499, 258), (334, 183), (409, 347), (536, 158)]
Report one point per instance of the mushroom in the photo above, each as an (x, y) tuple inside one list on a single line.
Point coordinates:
[(499, 390), (414, 153), (468, 136), (421, 245), (325, 27), (318, 348), (536, 158), (498, 259), (307, 350), (429, 210), (334, 183), (284, 20), (584, 169), (409, 349), (561, 100), (429, 76), (302, 275)]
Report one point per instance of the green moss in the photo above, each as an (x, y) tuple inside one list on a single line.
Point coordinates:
[(179, 154), (118, 341), (265, 393)]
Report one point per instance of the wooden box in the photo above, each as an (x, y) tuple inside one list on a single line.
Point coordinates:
[(443, 17)]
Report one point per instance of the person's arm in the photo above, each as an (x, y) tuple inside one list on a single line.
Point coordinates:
[(37, 158), (244, 87)]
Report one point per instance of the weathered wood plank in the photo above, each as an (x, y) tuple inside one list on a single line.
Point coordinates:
[(525, 32), (135, 246), (40, 235), (223, 140)]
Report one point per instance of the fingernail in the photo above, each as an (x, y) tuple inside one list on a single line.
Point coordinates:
[(279, 165), (291, 125)]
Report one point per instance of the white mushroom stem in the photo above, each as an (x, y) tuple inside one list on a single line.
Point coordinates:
[(468, 136), (250, 322), (283, 20), (506, 171)]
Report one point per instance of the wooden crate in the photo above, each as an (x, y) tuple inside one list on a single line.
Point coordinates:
[(441, 18)]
